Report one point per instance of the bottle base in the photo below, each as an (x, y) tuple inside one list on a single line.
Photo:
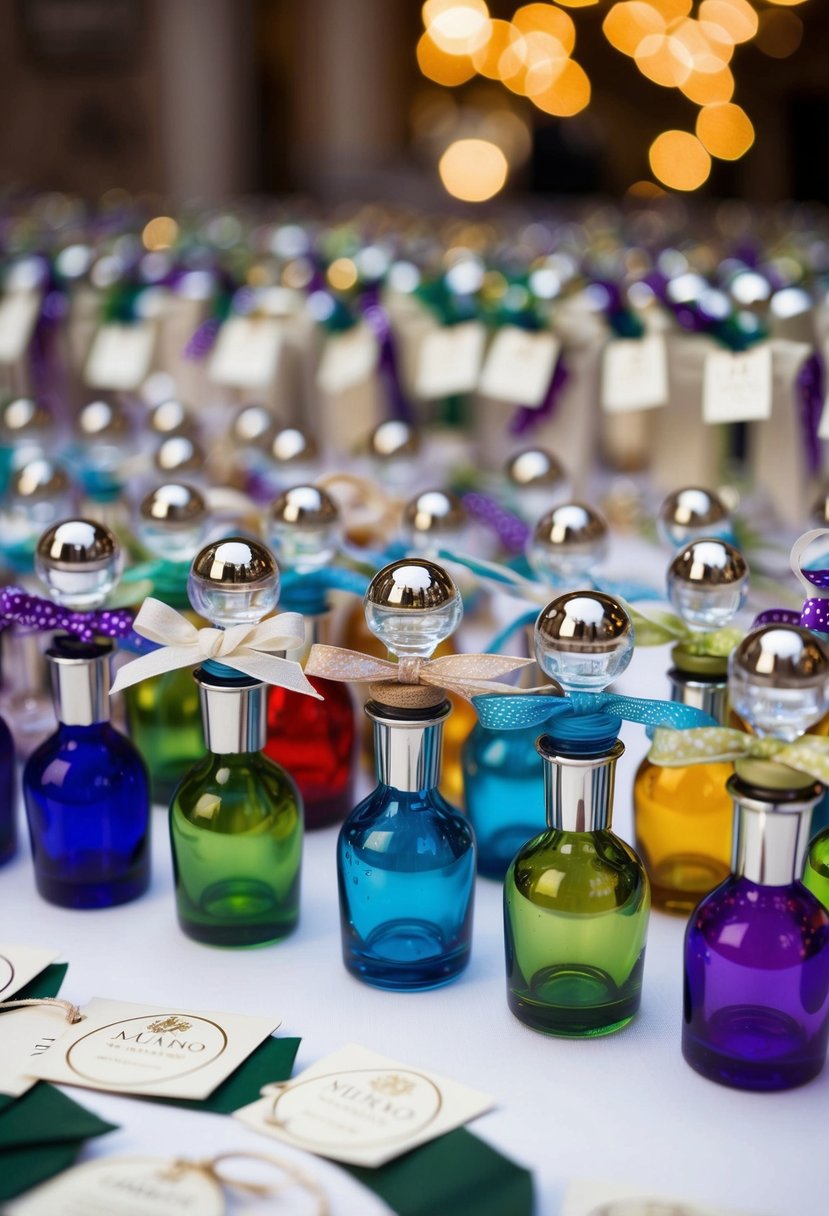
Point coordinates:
[(678, 883), (88, 892), (752, 1047), (574, 1002), (238, 912), (405, 956)]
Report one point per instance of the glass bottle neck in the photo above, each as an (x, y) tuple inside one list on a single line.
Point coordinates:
[(233, 714), (711, 696), (578, 790), (770, 839), (407, 751)]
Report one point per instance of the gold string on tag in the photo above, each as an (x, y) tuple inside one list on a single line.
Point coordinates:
[(73, 1013), (210, 1169)]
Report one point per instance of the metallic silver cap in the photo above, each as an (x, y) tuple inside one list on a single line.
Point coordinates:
[(80, 562), (691, 512), (708, 583), (39, 481), (583, 639), (79, 672), (254, 427), (234, 581), (771, 825), (785, 656), (233, 715), (104, 420), (536, 467), (578, 790), (434, 512), (172, 417), (412, 605), (25, 416), (173, 505), (567, 542), (407, 752), (292, 445), (393, 440)]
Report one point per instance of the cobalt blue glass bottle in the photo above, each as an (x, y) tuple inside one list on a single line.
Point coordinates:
[(405, 856), (503, 772), (85, 788), (8, 818)]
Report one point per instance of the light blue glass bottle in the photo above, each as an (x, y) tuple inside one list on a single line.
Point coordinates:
[(502, 770), (405, 856)]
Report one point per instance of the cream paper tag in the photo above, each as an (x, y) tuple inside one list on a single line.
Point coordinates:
[(124, 1186), (449, 360), (588, 1198), (147, 1049), (634, 374), (25, 1034), (348, 359), (19, 964), (362, 1108), (121, 356), (519, 366), (19, 311), (737, 387), (247, 352)]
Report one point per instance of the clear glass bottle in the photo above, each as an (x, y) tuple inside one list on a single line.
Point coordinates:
[(315, 739), (85, 788), (756, 995), (163, 713), (576, 897), (405, 856), (236, 817), (683, 816)]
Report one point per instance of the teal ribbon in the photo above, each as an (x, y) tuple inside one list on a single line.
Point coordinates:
[(307, 593)]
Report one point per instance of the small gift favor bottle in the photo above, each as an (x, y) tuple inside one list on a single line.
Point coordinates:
[(503, 775), (683, 816), (756, 997), (576, 897), (405, 856), (314, 739), (163, 712), (85, 787), (236, 817)]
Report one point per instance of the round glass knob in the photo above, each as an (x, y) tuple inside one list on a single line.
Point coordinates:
[(690, 513), (80, 562), (708, 583), (172, 417), (778, 679), (567, 543), (435, 517), (584, 640), (180, 455), (412, 606), (304, 528), (25, 416), (234, 582), (393, 440), (292, 445), (171, 521), (254, 427)]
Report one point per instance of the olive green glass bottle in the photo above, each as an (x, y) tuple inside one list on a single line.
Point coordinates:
[(576, 906)]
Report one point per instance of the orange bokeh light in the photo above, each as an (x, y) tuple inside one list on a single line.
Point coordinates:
[(780, 33), (628, 22), (679, 160), (664, 59), (725, 130), (473, 170), (736, 18), (568, 94), (502, 34), (457, 27), (706, 87), (546, 19), (440, 66)]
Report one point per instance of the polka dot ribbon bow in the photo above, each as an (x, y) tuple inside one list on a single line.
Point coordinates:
[(467, 675), (708, 745), (815, 611), (40, 615), (523, 710)]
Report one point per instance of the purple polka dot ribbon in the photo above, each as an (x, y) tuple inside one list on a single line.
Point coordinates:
[(512, 532), (814, 614), (40, 615)]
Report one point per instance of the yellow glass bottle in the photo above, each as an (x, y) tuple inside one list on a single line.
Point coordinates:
[(458, 726), (683, 816)]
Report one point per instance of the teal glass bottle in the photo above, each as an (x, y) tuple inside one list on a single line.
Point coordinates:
[(236, 819), (504, 788), (576, 905)]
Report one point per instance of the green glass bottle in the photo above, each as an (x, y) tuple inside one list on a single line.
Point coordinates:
[(816, 868), (236, 820), (576, 906)]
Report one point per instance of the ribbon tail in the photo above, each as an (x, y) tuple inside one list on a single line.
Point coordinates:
[(515, 712), (676, 748), (656, 713), (156, 663), (158, 622), (282, 673), (332, 663)]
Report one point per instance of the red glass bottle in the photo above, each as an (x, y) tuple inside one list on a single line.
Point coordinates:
[(314, 741)]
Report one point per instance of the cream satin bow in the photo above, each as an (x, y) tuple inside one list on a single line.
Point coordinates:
[(466, 675), (710, 744), (247, 648)]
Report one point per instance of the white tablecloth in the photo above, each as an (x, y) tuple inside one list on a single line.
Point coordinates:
[(624, 1108)]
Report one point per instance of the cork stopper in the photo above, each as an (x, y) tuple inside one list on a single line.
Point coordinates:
[(406, 696)]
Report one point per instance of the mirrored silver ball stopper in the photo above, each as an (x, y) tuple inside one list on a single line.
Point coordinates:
[(304, 528), (292, 445), (234, 581), (433, 517), (708, 583), (691, 513), (254, 427), (80, 562), (534, 467), (583, 639), (412, 605), (172, 417), (172, 519), (778, 680), (567, 543), (393, 440), (179, 454)]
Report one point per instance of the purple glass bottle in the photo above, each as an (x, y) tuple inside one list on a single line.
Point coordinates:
[(756, 996)]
